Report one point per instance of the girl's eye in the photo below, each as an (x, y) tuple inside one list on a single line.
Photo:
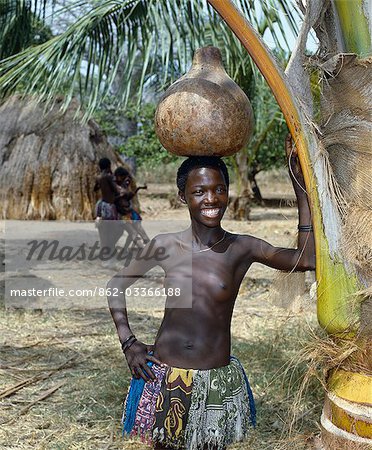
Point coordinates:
[(221, 190)]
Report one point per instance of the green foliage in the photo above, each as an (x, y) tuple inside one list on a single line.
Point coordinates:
[(107, 116), (113, 38), (145, 145), (21, 26), (266, 149)]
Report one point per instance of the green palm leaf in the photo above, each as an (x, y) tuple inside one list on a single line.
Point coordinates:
[(115, 37), (20, 20)]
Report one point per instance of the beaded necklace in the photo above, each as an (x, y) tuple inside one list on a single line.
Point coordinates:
[(205, 249)]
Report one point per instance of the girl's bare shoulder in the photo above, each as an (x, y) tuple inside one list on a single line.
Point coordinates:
[(168, 239), (245, 243)]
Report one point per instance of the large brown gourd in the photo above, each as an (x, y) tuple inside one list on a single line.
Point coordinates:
[(205, 112)]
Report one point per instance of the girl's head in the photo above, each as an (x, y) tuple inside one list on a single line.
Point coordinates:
[(203, 183), (121, 175), (194, 162)]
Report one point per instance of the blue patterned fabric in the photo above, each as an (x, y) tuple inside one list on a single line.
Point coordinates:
[(132, 401), (252, 405)]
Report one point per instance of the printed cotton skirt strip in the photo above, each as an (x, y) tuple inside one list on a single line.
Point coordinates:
[(191, 409), (107, 211)]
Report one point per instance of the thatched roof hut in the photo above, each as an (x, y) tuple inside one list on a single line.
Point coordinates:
[(48, 161)]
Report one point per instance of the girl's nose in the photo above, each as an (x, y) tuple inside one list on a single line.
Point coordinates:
[(211, 197)]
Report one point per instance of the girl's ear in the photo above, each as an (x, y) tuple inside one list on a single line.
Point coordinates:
[(181, 196)]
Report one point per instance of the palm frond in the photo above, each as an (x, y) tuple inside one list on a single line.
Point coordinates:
[(109, 42), (20, 20)]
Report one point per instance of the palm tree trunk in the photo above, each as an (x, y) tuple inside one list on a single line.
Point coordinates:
[(346, 129), (345, 420)]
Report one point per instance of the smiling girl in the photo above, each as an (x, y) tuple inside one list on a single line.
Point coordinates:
[(187, 391)]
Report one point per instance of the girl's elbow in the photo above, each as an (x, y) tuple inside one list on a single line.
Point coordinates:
[(112, 292), (306, 265)]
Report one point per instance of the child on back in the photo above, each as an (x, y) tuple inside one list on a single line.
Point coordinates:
[(123, 203), (109, 227)]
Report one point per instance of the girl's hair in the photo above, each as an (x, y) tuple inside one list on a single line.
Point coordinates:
[(121, 172), (104, 163), (194, 162)]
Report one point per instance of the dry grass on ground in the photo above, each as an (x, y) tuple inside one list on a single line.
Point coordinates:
[(78, 354)]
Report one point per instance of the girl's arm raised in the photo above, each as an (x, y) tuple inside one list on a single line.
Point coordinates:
[(302, 258)]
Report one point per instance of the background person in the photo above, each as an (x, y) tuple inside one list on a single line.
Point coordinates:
[(109, 227), (125, 209)]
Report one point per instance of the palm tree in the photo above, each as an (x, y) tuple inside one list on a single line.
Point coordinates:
[(335, 152), (113, 49), (116, 36), (332, 135)]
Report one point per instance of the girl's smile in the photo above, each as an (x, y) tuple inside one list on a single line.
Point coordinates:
[(211, 212), (206, 195)]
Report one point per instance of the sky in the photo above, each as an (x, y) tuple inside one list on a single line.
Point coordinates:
[(291, 39), (311, 44)]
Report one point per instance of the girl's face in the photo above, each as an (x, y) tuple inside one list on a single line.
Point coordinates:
[(123, 180), (206, 195)]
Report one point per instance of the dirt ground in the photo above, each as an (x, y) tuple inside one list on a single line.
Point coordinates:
[(63, 377)]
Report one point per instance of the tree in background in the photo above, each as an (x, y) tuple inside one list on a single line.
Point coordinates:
[(21, 25), (113, 38), (263, 152), (142, 143)]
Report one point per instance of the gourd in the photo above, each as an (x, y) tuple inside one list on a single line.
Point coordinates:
[(204, 112)]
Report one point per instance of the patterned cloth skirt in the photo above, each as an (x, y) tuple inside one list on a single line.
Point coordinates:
[(131, 214), (107, 211), (191, 409)]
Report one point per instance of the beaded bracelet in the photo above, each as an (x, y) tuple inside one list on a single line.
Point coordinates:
[(125, 342), (129, 344), (305, 228)]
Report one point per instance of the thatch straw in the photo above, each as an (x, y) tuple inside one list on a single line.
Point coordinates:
[(357, 239), (320, 354)]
